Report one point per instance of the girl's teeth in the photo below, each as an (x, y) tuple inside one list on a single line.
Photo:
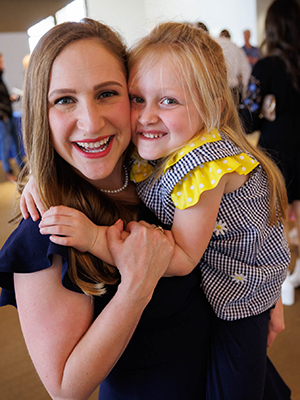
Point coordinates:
[(152, 135)]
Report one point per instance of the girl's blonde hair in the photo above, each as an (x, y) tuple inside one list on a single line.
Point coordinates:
[(200, 64), (56, 180)]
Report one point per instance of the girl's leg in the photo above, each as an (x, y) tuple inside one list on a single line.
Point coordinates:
[(238, 364)]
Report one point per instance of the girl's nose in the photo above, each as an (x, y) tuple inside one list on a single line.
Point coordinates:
[(148, 116), (90, 119)]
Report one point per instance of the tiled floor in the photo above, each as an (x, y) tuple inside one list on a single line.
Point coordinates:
[(18, 380)]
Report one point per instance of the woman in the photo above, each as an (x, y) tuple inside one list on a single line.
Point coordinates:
[(78, 314), (278, 74)]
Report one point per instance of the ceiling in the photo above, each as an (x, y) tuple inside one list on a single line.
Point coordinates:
[(19, 15)]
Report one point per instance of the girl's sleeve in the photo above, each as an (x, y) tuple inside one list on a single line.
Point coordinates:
[(27, 251), (206, 176)]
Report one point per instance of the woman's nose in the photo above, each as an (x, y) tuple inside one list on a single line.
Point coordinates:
[(90, 119), (148, 115)]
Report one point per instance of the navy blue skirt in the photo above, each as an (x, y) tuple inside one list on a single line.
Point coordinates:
[(181, 379)]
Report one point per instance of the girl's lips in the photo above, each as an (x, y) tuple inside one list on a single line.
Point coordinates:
[(94, 149)]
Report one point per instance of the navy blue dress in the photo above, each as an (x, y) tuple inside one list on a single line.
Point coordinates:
[(167, 355)]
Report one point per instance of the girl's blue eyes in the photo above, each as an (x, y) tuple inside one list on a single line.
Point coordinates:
[(165, 101), (137, 100), (169, 101)]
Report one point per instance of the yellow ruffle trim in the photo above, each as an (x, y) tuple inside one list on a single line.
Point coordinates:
[(204, 137), (206, 176), (141, 169)]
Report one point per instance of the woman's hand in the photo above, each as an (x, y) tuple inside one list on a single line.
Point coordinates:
[(276, 323), (69, 227), (142, 258), (30, 202)]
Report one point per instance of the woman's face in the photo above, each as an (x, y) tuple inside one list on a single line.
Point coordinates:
[(89, 112)]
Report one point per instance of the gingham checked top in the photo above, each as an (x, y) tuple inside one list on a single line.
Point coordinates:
[(245, 262)]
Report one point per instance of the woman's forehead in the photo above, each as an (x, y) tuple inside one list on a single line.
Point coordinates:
[(85, 59)]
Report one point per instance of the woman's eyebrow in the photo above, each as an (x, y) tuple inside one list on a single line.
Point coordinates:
[(96, 87), (108, 83)]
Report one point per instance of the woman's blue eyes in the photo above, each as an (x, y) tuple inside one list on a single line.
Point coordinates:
[(64, 100), (104, 95), (69, 100)]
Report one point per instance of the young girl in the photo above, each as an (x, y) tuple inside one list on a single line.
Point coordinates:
[(223, 200)]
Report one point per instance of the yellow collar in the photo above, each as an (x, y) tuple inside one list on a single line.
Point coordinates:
[(199, 140)]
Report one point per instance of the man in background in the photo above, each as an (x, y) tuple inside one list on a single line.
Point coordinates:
[(252, 52)]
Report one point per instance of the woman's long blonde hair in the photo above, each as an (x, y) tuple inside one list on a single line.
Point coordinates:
[(200, 63), (56, 180)]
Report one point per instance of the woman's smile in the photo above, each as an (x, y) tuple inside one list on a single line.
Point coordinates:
[(95, 148), (89, 111)]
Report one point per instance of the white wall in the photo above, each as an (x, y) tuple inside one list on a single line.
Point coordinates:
[(128, 17), (134, 18), (14, 46)]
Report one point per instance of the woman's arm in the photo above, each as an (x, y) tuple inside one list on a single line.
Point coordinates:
[(71, 353)]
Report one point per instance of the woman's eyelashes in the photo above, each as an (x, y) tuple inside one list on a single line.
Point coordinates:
[(67, 100), (107, 94), (64, 101)]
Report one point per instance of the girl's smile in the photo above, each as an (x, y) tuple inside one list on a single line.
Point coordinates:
[(163, 116)]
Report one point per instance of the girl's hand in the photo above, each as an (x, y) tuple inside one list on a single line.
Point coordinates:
[(276, 323), (30, 202), (142, 258), (69, 227)]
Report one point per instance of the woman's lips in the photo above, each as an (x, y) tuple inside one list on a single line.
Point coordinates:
[(95, 149)]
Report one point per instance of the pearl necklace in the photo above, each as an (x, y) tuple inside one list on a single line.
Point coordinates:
[(121, 188)]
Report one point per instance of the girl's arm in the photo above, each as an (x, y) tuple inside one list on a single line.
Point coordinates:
[(276, 323), (70, 227), (30, 202), (67, 226), (192, 228), (71, 353)]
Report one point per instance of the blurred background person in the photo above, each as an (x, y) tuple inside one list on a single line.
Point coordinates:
[(277, 76), (8, 129), (252, 52), (238, 67)]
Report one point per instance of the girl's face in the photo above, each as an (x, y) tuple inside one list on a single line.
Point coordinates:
[(163, 115), (89, 112)]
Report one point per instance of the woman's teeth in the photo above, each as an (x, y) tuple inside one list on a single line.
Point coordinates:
[(152, 135), (94, 147)]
